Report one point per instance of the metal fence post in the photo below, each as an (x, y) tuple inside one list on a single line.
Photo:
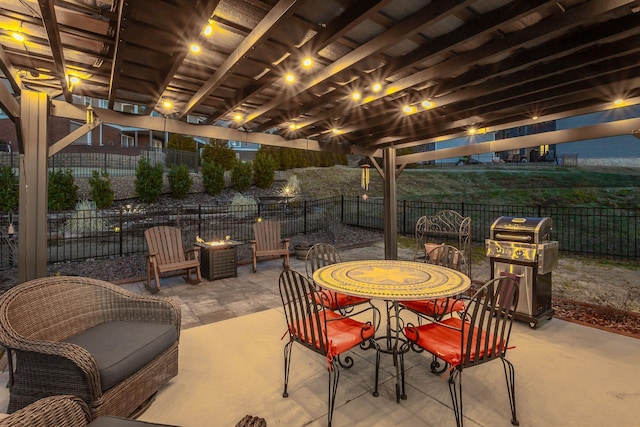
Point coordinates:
[(305, 217), (121, 232)]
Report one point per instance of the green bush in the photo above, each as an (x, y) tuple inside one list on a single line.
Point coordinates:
[(63, 192), (212, 177), (179, 181), (219, 152), (148, 181), (264, 170), (9, 186), (241, 176), (100, 189)]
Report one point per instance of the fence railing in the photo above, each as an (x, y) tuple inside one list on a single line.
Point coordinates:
[(79, 235), (121, 162)]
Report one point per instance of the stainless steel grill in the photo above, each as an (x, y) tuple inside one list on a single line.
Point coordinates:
[(523, 246)]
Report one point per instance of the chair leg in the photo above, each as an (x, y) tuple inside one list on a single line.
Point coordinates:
[(510, 376), (151, 289), (334, 377), (456, 394), (287, 365), (375, 389)]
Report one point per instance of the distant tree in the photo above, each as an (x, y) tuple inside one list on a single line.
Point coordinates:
[(217, 151), (182, 142)]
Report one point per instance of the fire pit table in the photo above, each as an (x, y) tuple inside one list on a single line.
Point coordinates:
[(219, 259)]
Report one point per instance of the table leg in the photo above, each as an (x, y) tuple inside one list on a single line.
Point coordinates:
[(396, 346)]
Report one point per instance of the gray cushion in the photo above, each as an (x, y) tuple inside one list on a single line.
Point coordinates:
[(121, 422), (122, 348)]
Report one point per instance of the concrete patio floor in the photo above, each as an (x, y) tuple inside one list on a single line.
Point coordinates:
[(231, 363)]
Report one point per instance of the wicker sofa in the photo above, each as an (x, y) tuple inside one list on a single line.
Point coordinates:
[(89, 338), (67, 411)]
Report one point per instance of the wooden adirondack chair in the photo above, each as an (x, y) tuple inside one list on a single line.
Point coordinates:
[(268, 242), (167, 254)]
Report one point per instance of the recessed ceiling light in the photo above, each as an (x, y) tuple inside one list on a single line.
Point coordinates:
[(472, 130), (237, 117), (290, 78), (307, 62), (409, 109), (18, 37), (376, 87), (74, 80), (167, 104), (195, 48), (335, 131), (427, 104), (208, 29), (618, 102), (356, 95)]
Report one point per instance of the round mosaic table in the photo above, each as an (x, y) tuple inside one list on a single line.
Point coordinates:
[(393, 281)]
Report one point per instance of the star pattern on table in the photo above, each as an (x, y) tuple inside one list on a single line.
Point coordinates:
[(389, 275)]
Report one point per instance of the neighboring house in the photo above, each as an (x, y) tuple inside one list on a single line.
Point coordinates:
[(623, 150)]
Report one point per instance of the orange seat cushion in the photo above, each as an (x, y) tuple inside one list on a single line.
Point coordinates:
[(435, 307), (343, 333), (444, 342), (336, 300)]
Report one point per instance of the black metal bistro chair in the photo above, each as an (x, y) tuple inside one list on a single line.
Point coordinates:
[(480, 336), (446, 256), (319, 329), (323, 254)]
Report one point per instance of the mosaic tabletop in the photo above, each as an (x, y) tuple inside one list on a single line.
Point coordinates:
[(392, 279)]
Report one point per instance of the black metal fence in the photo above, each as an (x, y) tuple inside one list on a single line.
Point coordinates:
[(91, 234), (121, 162)]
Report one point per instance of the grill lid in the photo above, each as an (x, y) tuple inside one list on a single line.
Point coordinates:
[(523, 230)]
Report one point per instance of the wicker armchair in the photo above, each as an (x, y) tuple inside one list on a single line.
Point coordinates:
[(41, 320), (67, 411)]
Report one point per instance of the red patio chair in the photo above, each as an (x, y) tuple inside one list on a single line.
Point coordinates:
[(446, 256), (480, 336), (320, 255), (320, 330)]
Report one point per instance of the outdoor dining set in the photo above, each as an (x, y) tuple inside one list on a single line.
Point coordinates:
[(110, 350)]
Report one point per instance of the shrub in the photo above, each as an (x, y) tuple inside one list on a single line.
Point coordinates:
[(100, 189), (219, 152), (63, 192), (241, 176), (264, 170), (212, 177), (9, 187), (85, 219), (180, 181), (148, 181)]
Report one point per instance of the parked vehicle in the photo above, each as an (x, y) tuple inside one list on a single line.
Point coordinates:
[(467, 160)]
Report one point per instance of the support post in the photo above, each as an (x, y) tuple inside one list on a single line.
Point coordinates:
[(390, 204), (32, 243)]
